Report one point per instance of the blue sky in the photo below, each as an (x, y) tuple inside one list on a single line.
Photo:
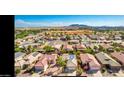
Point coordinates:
[(64, 20)]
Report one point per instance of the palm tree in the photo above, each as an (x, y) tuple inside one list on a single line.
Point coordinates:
[(79, 71), (61, 62)]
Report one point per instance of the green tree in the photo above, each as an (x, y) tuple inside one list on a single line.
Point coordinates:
[(30, 49), (26, 33), (79, 71), (61, 62), (118, 49), (63, 51), (68, 37), (76, 52), (18, 49), (115, 44), (48, 48), (95, 47), (88, 50), (101, 48), (17, 71)]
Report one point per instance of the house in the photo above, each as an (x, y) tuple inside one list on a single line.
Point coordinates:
[(73, 41), (85, 39), (117, 37), (107, 47), (76, 37), (87, 45), (30, 37), (102, 38), (52, 71), (93, 37), (63, 38), (18, 41), (57, 44), (68, 47), (71, 62), (45, 61), (51, 59), (41, 65), (80, 47), (93, 64), (21, 64), (119, 56), (19, 56), (106, 61), (26, 44), (94, 47), (33, 57)]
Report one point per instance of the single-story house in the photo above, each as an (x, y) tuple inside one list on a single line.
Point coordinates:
[(73, 41), (44, 61), (94, 47), (41, 65), (25, 44), (89, 59), (30, 37), (79, 47), (107, 47), (119, 56), (30, 44), (58, 46), (21, 64), (33, 57), (106, 61), (93, 37), (117, 37), (102, 38), (51, 58), (18, 41), (71, 62), (19, 56), (68, 47)]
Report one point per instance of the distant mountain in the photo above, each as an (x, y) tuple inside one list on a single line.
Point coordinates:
[(78, 25), (81, 26)]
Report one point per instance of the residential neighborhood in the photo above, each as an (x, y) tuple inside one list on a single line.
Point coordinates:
[(45, 47), (70, 53)]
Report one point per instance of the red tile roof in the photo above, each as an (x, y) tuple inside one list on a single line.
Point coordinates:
[(44, 60), (119, 56), (41, 62), (70, 47), (88, 58), (80, 46)]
